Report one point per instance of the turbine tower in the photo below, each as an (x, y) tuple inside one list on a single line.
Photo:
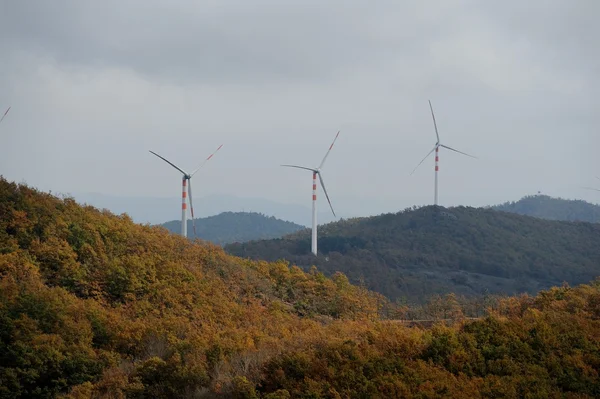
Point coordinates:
[(317, 172), (186, 183), (1, 119), (436, 148)]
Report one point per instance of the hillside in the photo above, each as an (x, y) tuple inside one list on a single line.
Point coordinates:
[(229, 227), (545, 207), (87, 296), (95, 306), (420, 252)]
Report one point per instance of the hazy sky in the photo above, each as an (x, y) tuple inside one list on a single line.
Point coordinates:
[(94, 85)]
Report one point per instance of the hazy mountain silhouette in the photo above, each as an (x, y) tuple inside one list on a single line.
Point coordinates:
[(229, 227), (156, 210), (545, 207)]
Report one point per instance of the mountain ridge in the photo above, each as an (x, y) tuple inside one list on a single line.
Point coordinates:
[(551, 208), (434, 250)]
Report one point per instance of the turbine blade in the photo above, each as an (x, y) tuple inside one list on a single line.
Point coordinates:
[(423, 160), (329, 150), (326, 195), (460, 152), (206, 160), (591, 188), (434, 123), (1, 119), (170, 163), (300, 167), (191, 205)]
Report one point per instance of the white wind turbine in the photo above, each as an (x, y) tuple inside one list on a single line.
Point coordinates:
[(187, 181), (315, 172), (436, 148), (1, 119)]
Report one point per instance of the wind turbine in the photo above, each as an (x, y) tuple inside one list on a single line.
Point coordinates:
[(187, 181), (1, 119), (315, 172), (436, 148)]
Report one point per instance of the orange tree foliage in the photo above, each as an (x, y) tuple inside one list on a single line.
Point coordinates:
[(93, 305)]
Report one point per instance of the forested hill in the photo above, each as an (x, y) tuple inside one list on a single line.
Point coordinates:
[(95, 306), (93, 302), (229, 227), (545, 207), (420, 252)]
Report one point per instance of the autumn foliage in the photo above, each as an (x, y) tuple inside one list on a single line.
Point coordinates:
[(95, 306)]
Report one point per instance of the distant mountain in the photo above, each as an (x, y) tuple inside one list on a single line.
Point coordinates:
[(229, 227), (545, 207), (155, 210), (420, 252)]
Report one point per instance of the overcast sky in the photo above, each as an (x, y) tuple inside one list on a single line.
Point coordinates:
[(94, 85)]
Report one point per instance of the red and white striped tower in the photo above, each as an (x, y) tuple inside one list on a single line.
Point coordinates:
[(437, 169), (186, 185), (184, 206), (314, 215), (317, 172)]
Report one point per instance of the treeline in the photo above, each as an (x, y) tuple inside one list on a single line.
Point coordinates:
[(431, 250), (230, 227), (95, 306)]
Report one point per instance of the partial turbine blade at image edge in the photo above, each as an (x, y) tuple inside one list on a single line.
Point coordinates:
[(1, 119)]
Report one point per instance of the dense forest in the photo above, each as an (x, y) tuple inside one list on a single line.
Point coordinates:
[(95, 306), (230, 227), (545, 207), (419, 252)]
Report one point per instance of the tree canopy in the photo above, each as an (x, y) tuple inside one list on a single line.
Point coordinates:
[(95, 306)]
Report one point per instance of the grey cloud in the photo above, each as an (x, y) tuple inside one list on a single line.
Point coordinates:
[(229, 41), (512, 82)]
